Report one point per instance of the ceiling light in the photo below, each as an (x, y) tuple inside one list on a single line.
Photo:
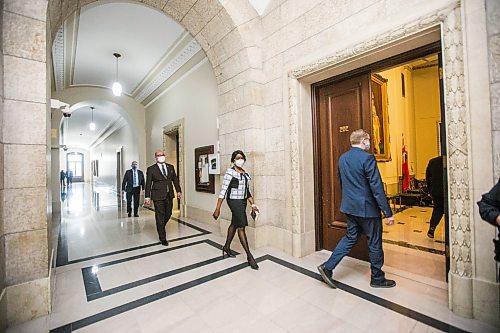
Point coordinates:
[(92, 124), (117, 87)]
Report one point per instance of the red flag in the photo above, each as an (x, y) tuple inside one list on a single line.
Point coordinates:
[(405, 169)]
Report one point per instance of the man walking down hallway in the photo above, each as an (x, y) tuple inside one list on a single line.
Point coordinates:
[(133, 183), (159, 179)]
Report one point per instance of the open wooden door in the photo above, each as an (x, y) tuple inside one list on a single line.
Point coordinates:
[(340, 108)]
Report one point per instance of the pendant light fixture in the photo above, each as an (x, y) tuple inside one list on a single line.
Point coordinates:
[(117, 87), (92, 124)]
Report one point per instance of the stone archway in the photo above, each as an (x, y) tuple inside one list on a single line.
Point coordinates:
[(228, 32)]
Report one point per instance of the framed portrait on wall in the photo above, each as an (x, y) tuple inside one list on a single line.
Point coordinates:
[(380, 137), (204, 181)]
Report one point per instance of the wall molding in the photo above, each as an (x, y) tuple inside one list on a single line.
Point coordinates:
[(179, 60)]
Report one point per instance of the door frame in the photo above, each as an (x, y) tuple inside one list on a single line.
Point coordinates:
[(178, 127), (383, 64)]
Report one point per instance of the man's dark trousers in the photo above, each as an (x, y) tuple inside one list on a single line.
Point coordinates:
[(163, 212), (135, 193), (372, 228), (437, 211)]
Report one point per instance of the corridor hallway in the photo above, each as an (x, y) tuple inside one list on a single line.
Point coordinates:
[(114, 276)]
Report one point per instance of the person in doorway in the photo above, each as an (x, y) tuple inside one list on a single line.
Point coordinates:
[(363, 198), (435, 186), (489, 209), (62, 177), (69, 177), (236, 186), (159, 179), (132, 184)]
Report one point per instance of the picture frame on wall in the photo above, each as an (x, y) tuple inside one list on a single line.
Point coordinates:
[(380, 137), (214, 164), (204, 181)]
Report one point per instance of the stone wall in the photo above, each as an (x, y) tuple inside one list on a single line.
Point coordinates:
[(255, 60), (24, 133), (493, 28), (3, 299)]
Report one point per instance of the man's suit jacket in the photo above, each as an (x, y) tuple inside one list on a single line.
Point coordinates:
[(362, 190), (159, 187), (128, 180), (434, 177)]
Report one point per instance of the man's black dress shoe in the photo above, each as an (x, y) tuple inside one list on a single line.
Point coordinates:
[(136, 215), (129, 214), (165, 242), (384, 284), (327, 276)]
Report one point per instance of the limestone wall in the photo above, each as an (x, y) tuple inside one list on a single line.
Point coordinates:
[(493, 29), (24, 197)]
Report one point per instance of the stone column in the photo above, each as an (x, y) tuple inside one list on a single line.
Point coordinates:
[(24, 131)]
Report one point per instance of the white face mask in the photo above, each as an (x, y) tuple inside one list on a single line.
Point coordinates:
[(161, 159), (239, 163)]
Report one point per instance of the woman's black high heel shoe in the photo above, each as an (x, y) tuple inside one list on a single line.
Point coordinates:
[(228, 252), (252, 263)]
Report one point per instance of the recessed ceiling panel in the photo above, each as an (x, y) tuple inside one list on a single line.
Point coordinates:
[(140, 34)]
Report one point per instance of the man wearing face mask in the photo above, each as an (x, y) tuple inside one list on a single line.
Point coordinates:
[(132, 184), (363, 198), (159, 179)]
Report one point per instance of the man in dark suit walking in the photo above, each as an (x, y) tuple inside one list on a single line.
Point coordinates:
[(434, 179), (363, 198), (159, 179), (133, 183)]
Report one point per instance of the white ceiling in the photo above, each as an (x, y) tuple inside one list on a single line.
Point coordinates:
[(77, 132), (153, 47), (140, 34), (83, 56)]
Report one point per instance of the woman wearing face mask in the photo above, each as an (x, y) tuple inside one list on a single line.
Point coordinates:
[(236, 187)]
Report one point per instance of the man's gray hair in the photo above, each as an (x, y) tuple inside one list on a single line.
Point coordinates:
[(358, 135)]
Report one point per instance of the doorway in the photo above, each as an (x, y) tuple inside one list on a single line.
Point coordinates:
[(171, 146), (119, 172), (75, 166), (399, 101)]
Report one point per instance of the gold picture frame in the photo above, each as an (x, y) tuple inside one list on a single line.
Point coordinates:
[(380, 137)]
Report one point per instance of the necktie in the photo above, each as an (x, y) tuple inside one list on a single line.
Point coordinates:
[(135, 178), (163, 170)]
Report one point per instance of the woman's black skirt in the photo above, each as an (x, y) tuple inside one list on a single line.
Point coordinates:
[(238, 209)]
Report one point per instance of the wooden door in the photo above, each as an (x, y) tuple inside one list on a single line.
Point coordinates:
[(341, 107)]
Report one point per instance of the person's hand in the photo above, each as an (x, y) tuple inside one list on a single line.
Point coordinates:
[(216, 213), (390, 220), (179, 195), (498, 220), (147, 202), (255, 208)]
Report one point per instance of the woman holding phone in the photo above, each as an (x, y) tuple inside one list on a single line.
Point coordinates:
[(236, 187)]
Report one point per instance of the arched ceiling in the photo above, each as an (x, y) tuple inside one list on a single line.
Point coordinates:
[(153, 48), (76, 130)]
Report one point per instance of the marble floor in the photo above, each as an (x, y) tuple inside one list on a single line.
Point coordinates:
[(407, 247), (112, 275)]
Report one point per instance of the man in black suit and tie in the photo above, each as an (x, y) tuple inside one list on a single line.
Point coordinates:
[(159, 179), (133, 183), (434, 178), (363, 198)]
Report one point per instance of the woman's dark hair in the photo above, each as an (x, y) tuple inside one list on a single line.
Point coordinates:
[(237, 152)]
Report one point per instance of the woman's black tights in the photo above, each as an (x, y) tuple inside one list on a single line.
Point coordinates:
[(231, 231)]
